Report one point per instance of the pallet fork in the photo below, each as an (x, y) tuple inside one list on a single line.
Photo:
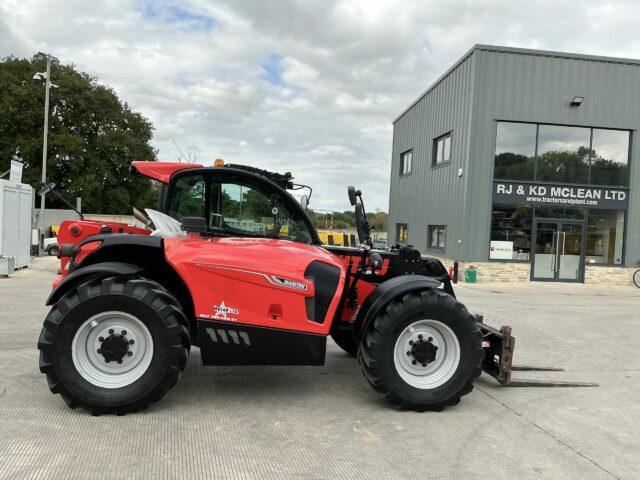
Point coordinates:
[(498, 360)]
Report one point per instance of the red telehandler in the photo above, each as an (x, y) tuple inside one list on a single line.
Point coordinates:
[(245, 279)]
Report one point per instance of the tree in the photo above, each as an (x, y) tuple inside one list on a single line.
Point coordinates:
[(93, 137)]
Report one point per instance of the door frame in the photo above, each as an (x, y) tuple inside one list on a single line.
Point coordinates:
[(559, 222)]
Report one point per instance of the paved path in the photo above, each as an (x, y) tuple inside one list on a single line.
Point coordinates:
[(325, 422)]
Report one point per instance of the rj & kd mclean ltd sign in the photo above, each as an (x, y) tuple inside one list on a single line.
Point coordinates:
[(560, 195)]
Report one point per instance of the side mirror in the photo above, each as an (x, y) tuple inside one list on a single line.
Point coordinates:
[(353, 195), (304, 201)]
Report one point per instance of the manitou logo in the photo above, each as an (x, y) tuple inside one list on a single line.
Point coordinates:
[(222, 312), (238, 338), (285, 282)]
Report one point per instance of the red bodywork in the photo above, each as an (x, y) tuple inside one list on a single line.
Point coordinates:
[(73, 231), (162, 171), (241, 280)]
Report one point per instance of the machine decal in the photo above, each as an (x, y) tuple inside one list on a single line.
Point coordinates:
[(290, 283), (225, 335), (223, 312), (272, 279)]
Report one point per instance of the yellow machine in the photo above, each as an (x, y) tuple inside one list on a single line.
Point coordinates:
[(331, 237)]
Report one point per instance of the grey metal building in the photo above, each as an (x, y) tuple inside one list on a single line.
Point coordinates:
[(523, 157)]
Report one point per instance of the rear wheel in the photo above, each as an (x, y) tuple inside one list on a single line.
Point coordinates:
[(422, 351), (53, 251), (114, 345), (636, 278)]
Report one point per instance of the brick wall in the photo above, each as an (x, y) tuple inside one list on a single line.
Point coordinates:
[(520, 272)]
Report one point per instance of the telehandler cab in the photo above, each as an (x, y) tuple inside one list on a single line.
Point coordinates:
[(236, 268)]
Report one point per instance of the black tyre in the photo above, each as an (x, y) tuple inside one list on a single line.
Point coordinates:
[(346, 340), (53, 251), (636, 278), (422, 351), (114, 345)]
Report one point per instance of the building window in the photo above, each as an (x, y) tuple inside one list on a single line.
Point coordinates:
[(436, 237), (511, 232), (515, 151), (442, 149), (402, 233), (610, 157), (562, 154), (605, 234), (405, 162)]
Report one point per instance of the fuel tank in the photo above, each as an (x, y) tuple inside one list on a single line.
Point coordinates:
[(262, 282)]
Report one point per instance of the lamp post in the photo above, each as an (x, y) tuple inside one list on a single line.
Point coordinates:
[(47, 77)]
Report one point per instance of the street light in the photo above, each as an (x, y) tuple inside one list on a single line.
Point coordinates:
[(39, 76)]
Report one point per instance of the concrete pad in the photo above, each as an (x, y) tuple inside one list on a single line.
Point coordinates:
[(326, 422)]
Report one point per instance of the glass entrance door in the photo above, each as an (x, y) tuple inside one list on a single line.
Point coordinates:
[(558, 252)]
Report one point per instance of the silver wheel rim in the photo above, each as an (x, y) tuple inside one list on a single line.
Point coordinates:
[(93, 366), (443, 366)]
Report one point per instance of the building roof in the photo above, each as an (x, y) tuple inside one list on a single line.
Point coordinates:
[(519, 51)]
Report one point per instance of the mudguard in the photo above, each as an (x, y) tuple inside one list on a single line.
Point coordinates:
[(91, 272), (386, 292)]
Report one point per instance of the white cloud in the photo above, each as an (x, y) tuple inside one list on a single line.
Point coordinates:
[(324, 78), (332, 150)]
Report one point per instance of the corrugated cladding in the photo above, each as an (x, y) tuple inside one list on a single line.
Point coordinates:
[(433, 195), (498, 83)]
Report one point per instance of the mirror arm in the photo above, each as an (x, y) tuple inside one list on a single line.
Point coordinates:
[(67, 203)]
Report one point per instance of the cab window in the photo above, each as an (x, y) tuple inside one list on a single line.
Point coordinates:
[(247, 210), (188, 198)]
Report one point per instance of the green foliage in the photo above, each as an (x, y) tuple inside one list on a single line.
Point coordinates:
[(93, 137), (562, 166), (347, 219)]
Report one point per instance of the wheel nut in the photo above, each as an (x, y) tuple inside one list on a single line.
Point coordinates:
[(101, 339), (409, 353), (129, 353), (119, 361), (420, 337), (424, 364), (430, 338), (99, 350), (131, 342), (413, 362), (410, 342), (111, 331), (124, 332)]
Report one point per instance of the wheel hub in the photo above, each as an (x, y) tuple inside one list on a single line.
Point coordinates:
[(426, 353), (115, 347), (423, 352)]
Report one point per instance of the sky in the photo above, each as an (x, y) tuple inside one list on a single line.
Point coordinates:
[(306, 86)]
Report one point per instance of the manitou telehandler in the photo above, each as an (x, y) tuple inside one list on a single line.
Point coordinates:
[(234, 266)]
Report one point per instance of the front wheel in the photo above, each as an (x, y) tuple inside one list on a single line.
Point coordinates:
[(422, 351), (114, 345)]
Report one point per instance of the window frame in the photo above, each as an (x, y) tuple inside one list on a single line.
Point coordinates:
[(398, 228), (402, 173), (220, 175), (537, 153), (430, 229), (434, 149)]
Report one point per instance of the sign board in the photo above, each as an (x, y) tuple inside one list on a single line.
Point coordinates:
[(517, 193), (500, 250), (15, 174)]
